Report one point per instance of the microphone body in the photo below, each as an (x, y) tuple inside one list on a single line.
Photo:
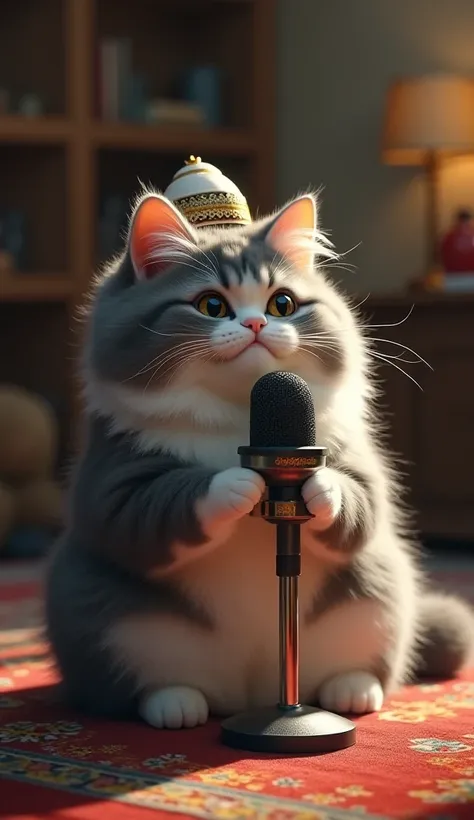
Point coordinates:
[(285, 469)]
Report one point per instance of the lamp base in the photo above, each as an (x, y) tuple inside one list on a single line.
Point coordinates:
[(293, 730)]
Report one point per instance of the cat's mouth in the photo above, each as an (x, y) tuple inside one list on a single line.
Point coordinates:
[(255, 344)]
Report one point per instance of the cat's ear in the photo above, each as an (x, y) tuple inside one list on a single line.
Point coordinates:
[(292, 232), (159, 236)]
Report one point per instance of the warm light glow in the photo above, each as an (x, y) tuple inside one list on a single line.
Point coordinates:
[(428, 115)]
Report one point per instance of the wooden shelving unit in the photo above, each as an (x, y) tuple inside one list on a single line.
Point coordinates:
[(56, 168)]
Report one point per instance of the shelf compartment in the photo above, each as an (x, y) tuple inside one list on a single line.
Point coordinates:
[(34, 184), (168, 39), (32, 54)]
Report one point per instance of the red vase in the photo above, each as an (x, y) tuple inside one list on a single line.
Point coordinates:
[(457, 247)]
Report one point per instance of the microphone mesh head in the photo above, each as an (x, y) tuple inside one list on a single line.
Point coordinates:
[(282, 412)]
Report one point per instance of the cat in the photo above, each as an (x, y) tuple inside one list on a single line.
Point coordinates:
[(161, 596)]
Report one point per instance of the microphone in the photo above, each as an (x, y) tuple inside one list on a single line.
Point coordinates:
[(283, 450)]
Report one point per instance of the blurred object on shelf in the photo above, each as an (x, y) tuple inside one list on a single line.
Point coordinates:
[(203, 86), (174, 112), (458, 282), (135, 98), (14, 239), (5, 99), (6, 262), (457, 252), (30, 105), (431, 282)]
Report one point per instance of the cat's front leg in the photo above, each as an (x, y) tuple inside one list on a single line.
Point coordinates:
[(232, 494), (342, 507)]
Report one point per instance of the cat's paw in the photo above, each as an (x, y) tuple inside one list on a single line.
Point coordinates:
[(322, 495), (232, 494), (176, 707), (352, 692)]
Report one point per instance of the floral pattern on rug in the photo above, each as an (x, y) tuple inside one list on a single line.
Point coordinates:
[(413, 760)]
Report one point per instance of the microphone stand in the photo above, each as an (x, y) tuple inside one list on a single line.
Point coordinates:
[(289, 622), (289, 727)]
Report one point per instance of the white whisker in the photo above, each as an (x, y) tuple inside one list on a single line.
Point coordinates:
[(202, 357), (189, 345), (213, 265), (198, 354), (330, 335), (311, 353), (392, 363), (169, 360), (404, 347), (348, 268), (158, 333), (392, 324)]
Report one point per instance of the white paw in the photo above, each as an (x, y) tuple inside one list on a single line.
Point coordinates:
[(177, 707), (232, 494), (322, 495), (352, 692)]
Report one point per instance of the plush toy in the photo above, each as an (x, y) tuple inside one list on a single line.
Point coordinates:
[(30, 500)]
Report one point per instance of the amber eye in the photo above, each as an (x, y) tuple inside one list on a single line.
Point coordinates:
[(281, 304), (212, 305)]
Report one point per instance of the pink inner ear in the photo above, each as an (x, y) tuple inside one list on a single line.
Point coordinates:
[(296, 220), (154, 226)]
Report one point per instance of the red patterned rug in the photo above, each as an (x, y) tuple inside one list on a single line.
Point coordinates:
[(413, 760)]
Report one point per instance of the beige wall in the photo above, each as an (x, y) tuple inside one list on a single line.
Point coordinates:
[(336, 58)]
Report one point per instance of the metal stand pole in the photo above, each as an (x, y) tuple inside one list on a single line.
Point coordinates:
[(288, 569), (289, 642)]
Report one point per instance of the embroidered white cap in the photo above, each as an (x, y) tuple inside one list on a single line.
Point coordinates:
[(206, 197)]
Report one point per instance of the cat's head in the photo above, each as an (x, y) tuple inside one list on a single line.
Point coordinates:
[(190, 316)]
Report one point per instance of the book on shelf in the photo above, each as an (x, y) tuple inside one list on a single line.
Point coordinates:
[(115, 73)]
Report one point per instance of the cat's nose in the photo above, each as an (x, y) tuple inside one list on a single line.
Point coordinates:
[(255, 323)]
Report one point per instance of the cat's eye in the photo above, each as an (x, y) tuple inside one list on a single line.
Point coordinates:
[(281, 304), (212, 305)]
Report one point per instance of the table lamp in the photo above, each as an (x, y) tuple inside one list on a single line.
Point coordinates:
[(427, 119)]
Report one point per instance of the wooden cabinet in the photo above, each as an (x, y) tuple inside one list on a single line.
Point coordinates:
[(431, 427)]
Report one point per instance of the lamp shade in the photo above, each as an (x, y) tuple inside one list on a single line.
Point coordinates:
[(428, 115)]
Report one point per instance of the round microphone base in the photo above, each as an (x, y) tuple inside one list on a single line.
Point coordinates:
[(295, 730)]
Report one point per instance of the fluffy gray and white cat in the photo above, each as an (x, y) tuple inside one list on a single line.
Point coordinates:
[(162, 594)]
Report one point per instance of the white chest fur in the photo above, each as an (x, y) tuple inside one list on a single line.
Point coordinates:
[(236, 665)]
